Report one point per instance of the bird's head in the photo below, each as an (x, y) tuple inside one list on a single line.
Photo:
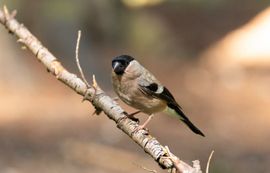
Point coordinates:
[(120, 63)]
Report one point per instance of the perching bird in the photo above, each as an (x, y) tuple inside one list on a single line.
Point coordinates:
[(139, 88)]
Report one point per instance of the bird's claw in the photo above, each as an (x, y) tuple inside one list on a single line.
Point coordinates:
[(131, 116), (135, 119)]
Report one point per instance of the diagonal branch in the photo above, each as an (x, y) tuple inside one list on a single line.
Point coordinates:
[(96, 95)]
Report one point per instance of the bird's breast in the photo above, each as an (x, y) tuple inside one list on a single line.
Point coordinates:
[(128, 92)]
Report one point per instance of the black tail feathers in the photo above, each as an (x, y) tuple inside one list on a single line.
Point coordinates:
[(184, 118), (192, 127)]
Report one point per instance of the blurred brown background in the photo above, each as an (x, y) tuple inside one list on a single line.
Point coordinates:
[(213, 55)]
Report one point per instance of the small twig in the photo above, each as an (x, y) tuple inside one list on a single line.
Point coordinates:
[(95, 84), (208, 162), (146, 169), (96, 88), (78, 61), (79, 65), (6, 12)]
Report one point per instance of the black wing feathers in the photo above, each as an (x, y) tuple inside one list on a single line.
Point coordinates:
[(153, 87), (151, 90), (164, 95)]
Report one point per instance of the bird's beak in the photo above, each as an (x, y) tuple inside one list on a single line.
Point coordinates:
[(115, 65), (118, 68)]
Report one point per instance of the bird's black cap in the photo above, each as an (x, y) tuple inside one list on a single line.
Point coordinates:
[(124, 58), (120, 63)]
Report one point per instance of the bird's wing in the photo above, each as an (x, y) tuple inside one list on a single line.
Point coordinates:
[(157, 91), (160, 92)]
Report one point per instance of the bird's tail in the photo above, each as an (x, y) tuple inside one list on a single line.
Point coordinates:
[(174, 109)]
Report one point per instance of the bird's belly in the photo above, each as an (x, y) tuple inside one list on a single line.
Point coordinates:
[(149, 105), (131, 95)]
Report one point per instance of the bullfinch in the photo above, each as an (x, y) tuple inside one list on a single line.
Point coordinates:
[(140, 89)]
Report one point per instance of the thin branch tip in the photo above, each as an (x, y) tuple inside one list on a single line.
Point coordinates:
[(7, 14), (209, 160), (78, 60), (95, 85), (96, 89), (5, 9)]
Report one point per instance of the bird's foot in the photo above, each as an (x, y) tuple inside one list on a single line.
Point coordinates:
[(135, 119), (140, 127), (131, 116)]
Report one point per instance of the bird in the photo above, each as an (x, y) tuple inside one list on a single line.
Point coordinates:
[(139, 88)]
